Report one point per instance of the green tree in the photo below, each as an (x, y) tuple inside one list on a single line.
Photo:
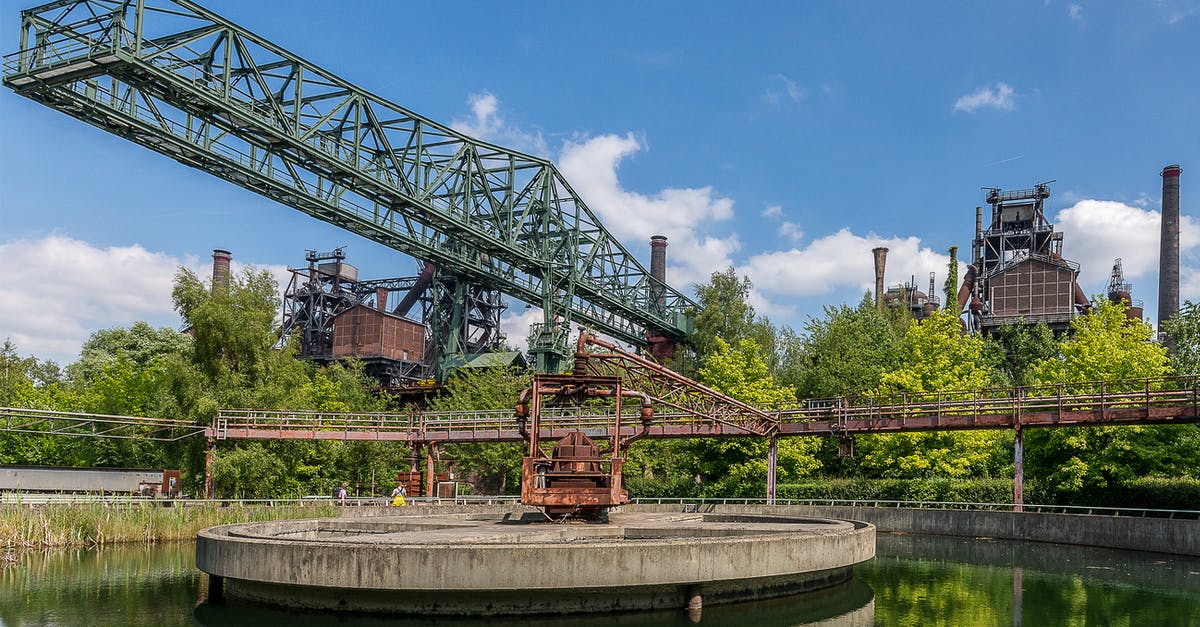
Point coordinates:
[(233, 328), (492, 467), (29, 383), (846, 352), (1012, 349), (725, 313), (1183, 329), (738, 466), (140, 344), (950, 288), (936, 357), (1104, 346), (1107, 346)]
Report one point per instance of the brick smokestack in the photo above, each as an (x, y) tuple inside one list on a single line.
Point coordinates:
[(880, 260), (658, 270), (220, 273), (1168, 251)]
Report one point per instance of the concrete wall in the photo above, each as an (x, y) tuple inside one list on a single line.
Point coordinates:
[(1161, 535)]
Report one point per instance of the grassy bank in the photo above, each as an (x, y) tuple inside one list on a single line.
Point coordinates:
[(97, 524)]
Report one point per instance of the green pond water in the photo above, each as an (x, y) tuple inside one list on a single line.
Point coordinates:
[(914, 580)]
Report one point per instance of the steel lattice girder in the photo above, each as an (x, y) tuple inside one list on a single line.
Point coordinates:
[(182, 81)]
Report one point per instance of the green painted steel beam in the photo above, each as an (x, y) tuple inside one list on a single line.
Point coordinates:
[(180, 80)]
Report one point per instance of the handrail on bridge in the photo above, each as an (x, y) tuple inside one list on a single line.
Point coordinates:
[(1090, 510)]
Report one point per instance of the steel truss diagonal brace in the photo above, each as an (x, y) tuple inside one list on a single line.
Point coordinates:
[(182, 81)]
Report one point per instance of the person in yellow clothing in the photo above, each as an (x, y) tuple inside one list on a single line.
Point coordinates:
[(398, 495)]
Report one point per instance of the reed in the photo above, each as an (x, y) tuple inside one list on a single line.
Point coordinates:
[(98, 524)]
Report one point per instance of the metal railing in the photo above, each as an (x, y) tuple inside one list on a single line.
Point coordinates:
[(1092, 510)]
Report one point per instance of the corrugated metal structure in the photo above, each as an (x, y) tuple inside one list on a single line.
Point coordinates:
[(364, 331), (136, 481)]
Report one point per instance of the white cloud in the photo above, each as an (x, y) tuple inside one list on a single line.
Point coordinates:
[(840, 261), (515, 323), (772, 211), (792, 231), (682, 214), (70, 289), (999, 98), (489, 125), (1075, 11), (784, 89), (1098, 231)]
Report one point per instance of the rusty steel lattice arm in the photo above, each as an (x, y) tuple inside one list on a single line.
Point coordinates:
[(42, 422), (671, 388), (182, 81)]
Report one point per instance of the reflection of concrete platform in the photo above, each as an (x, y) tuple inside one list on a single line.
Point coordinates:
[(488, 564)]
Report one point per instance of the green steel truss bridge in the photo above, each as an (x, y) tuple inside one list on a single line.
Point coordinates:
[(182, 81)]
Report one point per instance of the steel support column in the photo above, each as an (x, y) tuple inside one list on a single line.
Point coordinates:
[(430, 452), (1018, 469), (772, 462), (209, 455)]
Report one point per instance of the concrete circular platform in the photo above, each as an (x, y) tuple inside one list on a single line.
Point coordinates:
[(514, 564)]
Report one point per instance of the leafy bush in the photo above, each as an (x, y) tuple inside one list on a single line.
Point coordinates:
[(1147, 493)]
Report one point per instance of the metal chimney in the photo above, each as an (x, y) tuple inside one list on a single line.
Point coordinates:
[(880, 260), (220, 269), (976, 244), (1168, 251), (658, 271)]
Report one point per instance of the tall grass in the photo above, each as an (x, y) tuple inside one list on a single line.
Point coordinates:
[(98, 524)]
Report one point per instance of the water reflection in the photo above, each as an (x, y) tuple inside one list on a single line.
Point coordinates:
[(981, 582), (144, 585), (915, 580)]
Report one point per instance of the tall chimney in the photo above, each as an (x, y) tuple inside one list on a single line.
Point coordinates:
[(978, 243), (1168, 247), (658, 271), (381, 294), (880, 260), (220, 273)]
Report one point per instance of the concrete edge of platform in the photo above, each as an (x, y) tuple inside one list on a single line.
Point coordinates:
[(1156, 535), (260, 562)]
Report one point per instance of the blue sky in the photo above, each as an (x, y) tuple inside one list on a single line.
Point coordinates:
[(784, 139)]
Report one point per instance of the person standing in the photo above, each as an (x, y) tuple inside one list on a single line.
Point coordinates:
[(340, 494), (398, 495)]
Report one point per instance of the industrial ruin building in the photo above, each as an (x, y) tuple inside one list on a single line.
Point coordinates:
[(334, 315), (1017, 273), (1120, 292), (920, 305)]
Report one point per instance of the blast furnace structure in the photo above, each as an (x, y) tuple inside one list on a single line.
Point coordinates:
[(1017, 272)]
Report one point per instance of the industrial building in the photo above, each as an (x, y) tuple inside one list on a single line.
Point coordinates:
[(1017, 273), (919, 304), (334, 315)]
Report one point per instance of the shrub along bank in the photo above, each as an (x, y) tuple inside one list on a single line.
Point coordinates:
[(97, 524)]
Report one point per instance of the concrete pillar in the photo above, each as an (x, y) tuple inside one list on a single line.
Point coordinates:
[(1018, 469), (695, 604), (209, 457), (772, 462), (216, 589)]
